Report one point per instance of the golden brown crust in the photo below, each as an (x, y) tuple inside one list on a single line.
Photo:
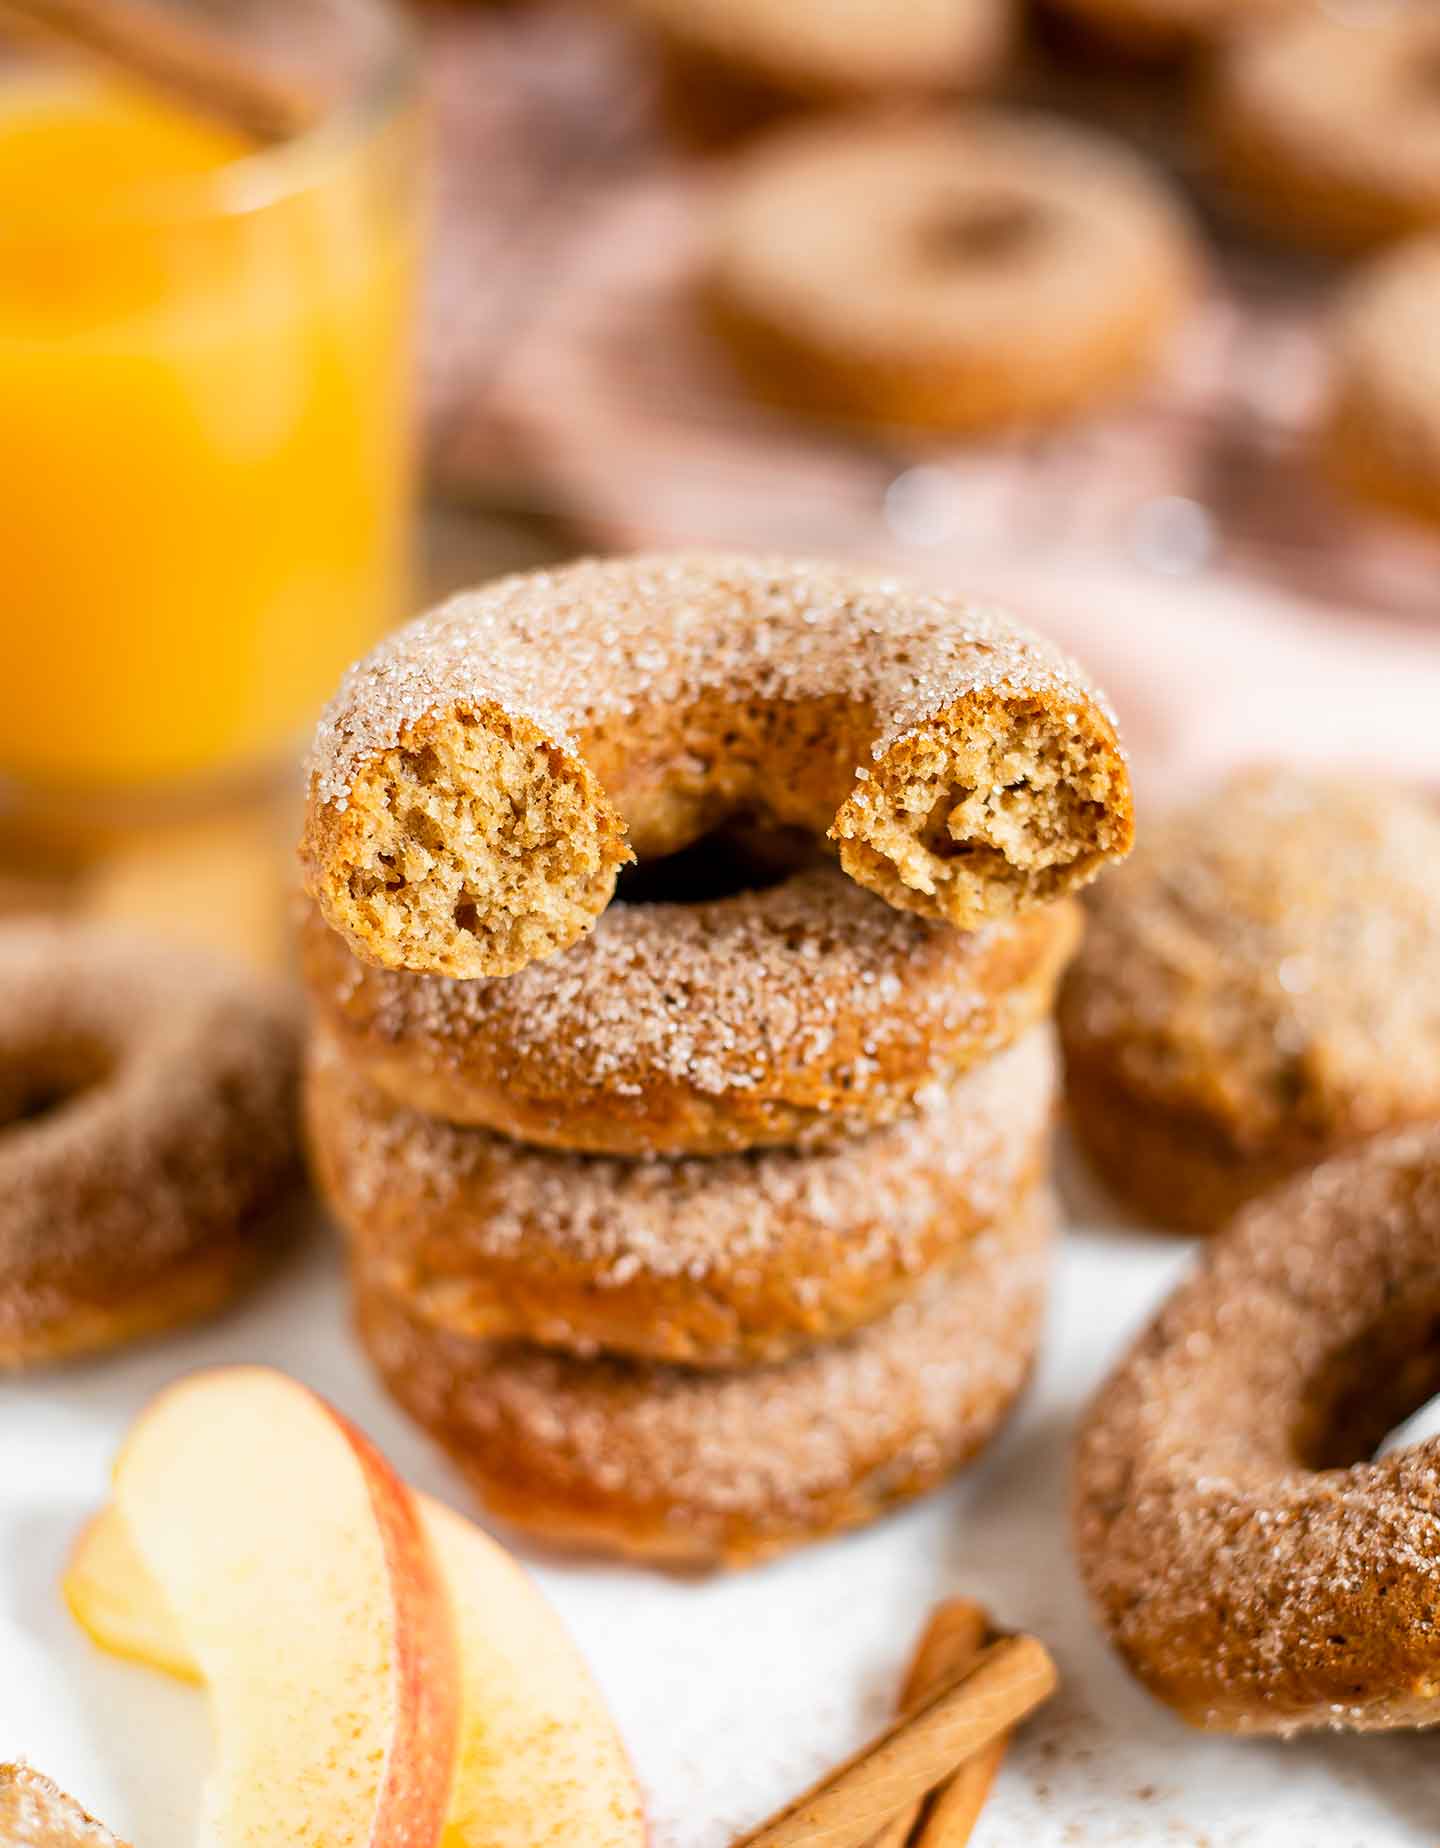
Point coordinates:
[(477, 782), (962, 273), (34, 1813), (796, 1015), (1256, 988), (714, 1262), (844, 50), (1251, 1563), (44, 1327), (1172, 1166), (1380, 439), (1325, 128), (151, 1136), (705, 1468)]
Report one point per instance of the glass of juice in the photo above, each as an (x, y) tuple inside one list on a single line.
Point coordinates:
[(207, 263)]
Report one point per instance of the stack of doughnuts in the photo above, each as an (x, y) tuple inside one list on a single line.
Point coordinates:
[(709, 1216)]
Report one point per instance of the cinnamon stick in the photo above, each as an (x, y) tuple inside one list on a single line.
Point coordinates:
[(951, 1814), (916, 1752), (189, 65), (956, 1633)]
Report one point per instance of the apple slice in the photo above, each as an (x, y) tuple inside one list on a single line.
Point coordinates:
[(115, 1601), (540, 1759), (294, 1567)]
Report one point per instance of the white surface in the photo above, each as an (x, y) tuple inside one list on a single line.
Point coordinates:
[(733, 1692)]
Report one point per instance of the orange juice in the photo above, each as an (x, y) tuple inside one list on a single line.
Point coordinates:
[(203, 431)]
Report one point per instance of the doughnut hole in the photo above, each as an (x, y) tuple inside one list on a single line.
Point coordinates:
[(475, 847), (42, 1078), (991, 230), (1372, 1385), (985, 814), (738, 858)]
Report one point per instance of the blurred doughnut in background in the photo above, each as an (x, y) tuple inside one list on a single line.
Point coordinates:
[(733, 65), (972, 272), (1326, 127)]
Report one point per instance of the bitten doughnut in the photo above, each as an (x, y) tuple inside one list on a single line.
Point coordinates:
[(665, 1463), (1380, 438), (1260, 985), (964, 273), (732, 64), (478, 781), (1326, 126), (1251, 1563), (150, 1136), (795, 1015), (714, 1262)]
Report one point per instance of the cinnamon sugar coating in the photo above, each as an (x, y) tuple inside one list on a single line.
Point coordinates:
[(795, 1016), (478, 781), (970, 271), (148, 1136), (1253, 1565), (725, 1468), (717, 1262), (34, 1813), (1260, 985)]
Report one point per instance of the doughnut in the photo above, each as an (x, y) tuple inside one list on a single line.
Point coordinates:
[(1258, 987), (1252, 1562), (149, 1138), (1165, 29), (34, 1813), (478, 781), (963, 273), (1326, 128), (714, 1262), (796, 1016), (731, 65), (1380, 438), (678, 1466)]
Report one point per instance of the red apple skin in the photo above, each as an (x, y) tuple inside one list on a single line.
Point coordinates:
[(415, 1791), (413, 1796)]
